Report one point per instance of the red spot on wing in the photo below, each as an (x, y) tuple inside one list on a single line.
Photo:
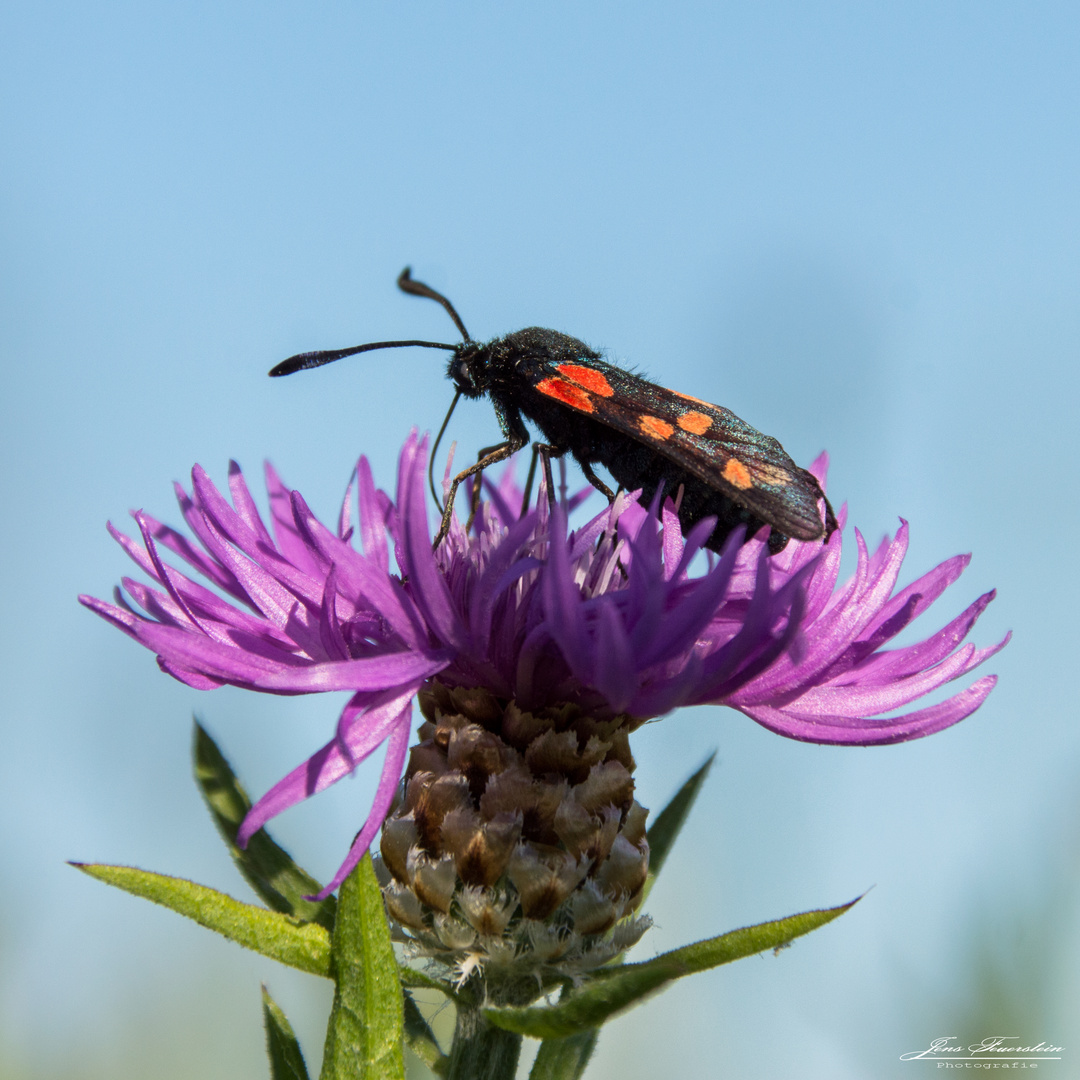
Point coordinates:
[(567, 393), (654, 426), (737, 475), (697, 423), (588, 377)]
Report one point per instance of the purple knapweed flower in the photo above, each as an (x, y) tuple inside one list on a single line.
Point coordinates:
[(607, 618)]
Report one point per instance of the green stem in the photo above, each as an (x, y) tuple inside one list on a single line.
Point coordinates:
[(481, 1051)]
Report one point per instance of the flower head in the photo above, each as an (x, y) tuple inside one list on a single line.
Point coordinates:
[(608, 620)]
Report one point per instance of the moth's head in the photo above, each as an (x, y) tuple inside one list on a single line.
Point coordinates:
[(468, 368)]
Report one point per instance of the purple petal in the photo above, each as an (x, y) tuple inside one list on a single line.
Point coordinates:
[(373, 721), (364, 579), (333, 640), (928, 588), (226, 528), (914, 725), (245, 504), (673, 539), (853, 700), (367, 673), (288, 539), (614, 673), (179, 545), (372, 518), (397, 747), (192, 678), (505, 497), (685, 622), (427, 585), (898, 663), (165, 575), (345, 528), (562, 600), (504, 566)]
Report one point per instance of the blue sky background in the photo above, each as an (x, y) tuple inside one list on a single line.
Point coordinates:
[(855, 225)]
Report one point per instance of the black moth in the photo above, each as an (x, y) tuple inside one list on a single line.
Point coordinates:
[(642, 433)]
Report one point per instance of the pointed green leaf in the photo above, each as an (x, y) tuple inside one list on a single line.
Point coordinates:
[(610, 992), (564, 1059), (671, 819), (286, 1060), (421, 1039), (299, 944), (267, 868), (417, 980), (364, 1036)]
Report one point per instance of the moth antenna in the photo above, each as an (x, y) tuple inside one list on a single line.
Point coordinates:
[(418, 288), (303, 361), (435, 447)]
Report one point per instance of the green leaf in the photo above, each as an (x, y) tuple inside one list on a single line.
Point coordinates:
[(299, 944), (671, 819), (611, 992), (417, 980), (364, 1036), (421, 1039), (564, 1059), (286, 1060), (267, 868)]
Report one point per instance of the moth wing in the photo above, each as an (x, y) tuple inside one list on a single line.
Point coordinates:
[(707, 440)]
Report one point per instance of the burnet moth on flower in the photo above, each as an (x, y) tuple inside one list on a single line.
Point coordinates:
[(713, 463)]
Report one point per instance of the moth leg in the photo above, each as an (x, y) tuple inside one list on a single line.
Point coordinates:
[(493, 457), (597, 482), (529, 481), (474, 502), (545, 451)]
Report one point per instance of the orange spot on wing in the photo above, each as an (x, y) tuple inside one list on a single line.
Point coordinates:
[(697, 423), (588, 377), (737, 475), (567, 393), (654, 426)]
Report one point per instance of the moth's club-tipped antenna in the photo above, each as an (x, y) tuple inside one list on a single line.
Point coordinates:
[(418, 288), (303, 361)]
